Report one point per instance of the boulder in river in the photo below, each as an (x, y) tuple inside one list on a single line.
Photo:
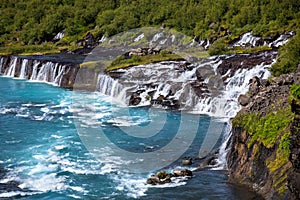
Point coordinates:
[(163, 177)]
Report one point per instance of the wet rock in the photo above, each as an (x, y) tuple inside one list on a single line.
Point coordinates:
[(89, 40), (184, 172), (265, 82), (160, 178), (153, 180), (243, 100), (135, 99), (187, 161), (204, 72), (163, 177), (208, 161), (254, 86), (245, 61)]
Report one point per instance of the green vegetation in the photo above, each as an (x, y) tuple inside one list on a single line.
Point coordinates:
[(295, 93), (267, 129), (29, 49), (29, 26), (37, 21), (122, 62), (270, 130), (289, 57)]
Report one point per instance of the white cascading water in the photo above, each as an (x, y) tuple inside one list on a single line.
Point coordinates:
[(1, 64), (108, 86), (34, 70), (47, 72), (12, 67), (226, 104), (58, 78), (24, 69), (166, 81)]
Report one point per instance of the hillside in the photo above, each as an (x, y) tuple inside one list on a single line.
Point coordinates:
[(36, 22)]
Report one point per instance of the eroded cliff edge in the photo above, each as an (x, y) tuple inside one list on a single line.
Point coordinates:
[(264, 155)]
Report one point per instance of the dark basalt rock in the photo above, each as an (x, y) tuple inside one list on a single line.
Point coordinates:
[(243, 61), (160, 178), (184, 172), (163, 177), (247, 163), (243, 100), (135, 99), (186, 161)]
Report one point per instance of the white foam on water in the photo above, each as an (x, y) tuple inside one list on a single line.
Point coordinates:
[(133, 186), (22, 115), (16, 194), (44, 183)]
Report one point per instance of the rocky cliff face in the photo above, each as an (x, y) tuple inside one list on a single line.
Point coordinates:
[(57, 71), (266, 139)]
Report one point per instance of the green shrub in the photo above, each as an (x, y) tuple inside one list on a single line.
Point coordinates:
[(289, 57), (295, 91), (218, 47), (267, 129)]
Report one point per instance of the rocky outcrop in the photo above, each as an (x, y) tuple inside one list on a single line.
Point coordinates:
[(163, 177), (254, 162), (244, 61), (294, 176)]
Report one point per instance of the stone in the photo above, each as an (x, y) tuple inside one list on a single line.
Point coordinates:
[(163, 175), (243, 100), (265, 82), (135, 99), (184, 172), (89, 40), (153, 180), (187, 161)]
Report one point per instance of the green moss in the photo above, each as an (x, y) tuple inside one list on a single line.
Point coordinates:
[(295, 93), (245, 50), (96, 66), (280, 185), (267, 129), (289, 57), (121, 62), (255, 150), (282, 154), (271, 130), (29, 49)]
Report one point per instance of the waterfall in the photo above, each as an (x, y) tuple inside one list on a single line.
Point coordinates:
[(109, 86), (50, 72), (162, 89), (12, 67), (43, 74), (34, 70), (163, 81), (200, 89), (58, 78), (221, 160), (1, 64), (23, 69)]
